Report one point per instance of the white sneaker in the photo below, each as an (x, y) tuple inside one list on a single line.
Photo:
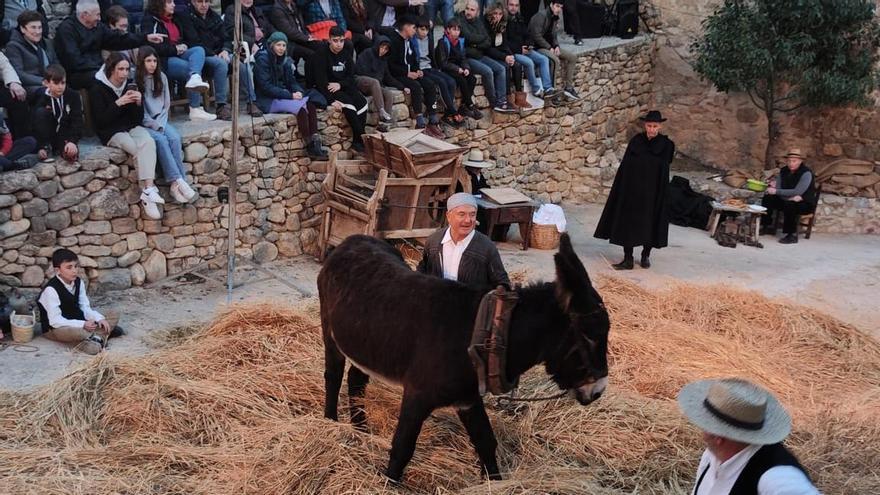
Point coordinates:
[(152, 194), (151, 209), (197, 113), (182, 191), (195, 82)]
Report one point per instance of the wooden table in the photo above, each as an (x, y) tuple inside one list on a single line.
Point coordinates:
[(751, 220), (495, 219)]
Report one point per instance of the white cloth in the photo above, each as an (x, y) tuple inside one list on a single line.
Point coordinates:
[(52, 304), (451, 254), (550, 214), (779, 480)]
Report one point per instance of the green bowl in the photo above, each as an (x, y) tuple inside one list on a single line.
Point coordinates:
[(756, 185)]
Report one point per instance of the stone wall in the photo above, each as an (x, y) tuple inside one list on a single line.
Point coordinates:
[(565, 153)]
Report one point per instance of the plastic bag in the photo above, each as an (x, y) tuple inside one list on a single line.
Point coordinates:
[(550, 214)]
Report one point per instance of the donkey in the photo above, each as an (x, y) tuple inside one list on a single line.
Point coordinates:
[(413, 330)]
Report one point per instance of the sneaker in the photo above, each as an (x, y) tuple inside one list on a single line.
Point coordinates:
[(475, 113), (253, 110), (195, 83), (578, 42), (539, 93), (550, 93), (151, 209), (420, 122), (433, 118), (504, 107), (571, 94), (152, 194), (197, 113), (385, 116), (434, 131), (224, 112), (182, 191), (454, 120), (789, 239)]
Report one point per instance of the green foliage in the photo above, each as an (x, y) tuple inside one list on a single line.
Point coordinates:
[(791, 53)]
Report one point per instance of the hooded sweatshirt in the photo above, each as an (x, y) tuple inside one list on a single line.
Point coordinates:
[(156, 107), (110, 118), (371, 64)]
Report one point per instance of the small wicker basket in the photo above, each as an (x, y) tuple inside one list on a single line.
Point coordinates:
[(22, 327), (544, 236)]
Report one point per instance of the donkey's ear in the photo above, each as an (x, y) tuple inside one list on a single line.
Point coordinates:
[(572, 281)]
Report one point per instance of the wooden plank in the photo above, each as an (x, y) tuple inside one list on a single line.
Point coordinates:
[(505, 195), (406, 234)]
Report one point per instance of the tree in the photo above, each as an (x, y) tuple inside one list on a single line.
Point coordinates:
[(788, 54)]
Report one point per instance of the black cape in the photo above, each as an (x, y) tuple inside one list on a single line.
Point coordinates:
[(635, 213)]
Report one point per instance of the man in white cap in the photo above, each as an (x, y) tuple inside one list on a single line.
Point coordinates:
[(743, 429), (459, 252)]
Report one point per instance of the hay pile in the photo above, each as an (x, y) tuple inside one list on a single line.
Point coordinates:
[(236, 408)]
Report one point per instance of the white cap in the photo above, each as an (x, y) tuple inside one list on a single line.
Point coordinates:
[(460, 199)]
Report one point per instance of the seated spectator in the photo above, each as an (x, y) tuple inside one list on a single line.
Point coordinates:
[(57, 116), (496, 25), (355, 13), (332, 68), (373, 78), (317, 12), (278, 92), (542, 30), (153, 84), (28, 51), (13, 150), (520, 44), (202, 27), (84, 36), (384, 13), (66, 313), (492, 73), (286, 17), (117, 19), (118, 112), (451, 58), (13, 98), (423, 44), (255, 28), (11, 9), (404, 66), (183, 63), (792, 193)]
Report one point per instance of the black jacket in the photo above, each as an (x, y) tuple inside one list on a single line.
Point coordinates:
[(71, 125), (501, 50), (542, 30), (480, 264), (476, 36), (401, 58), (28, 59), (110, 118), (81, 49), (273, 78), (248, 32), (370, 64), (354, 22), (517, 34), (450, 58), (5, 35), (287, 19), (327, 67), (206, 32), (152, 24)]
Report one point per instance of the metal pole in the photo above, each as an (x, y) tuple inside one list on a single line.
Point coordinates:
[(233, 167)]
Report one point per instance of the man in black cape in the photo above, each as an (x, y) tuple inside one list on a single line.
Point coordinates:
[(635, 213)]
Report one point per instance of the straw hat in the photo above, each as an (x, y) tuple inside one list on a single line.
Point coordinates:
[(475, 159), (735, 409), (653, 116), (795, 153)]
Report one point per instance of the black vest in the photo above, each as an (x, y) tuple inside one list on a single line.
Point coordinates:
[(69, 302), (768, 456), (790, 179)]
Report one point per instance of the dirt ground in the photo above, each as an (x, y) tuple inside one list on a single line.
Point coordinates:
[(834, 273)]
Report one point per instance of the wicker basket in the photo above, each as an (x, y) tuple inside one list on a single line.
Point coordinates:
[(22, 327), (544, 236)]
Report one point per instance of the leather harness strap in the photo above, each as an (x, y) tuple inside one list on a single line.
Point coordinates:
[(488, 349)]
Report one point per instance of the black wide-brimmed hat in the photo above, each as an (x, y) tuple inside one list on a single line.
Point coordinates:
[(653, 116)]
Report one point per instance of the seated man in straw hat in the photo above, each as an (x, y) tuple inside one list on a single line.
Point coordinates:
[(743, 429), (459, 252), (474, 164), (792, 193)]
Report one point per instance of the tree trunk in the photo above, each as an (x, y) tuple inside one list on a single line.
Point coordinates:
[(772, 141)]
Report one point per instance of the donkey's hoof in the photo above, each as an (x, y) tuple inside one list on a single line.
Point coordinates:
[(393, 478)]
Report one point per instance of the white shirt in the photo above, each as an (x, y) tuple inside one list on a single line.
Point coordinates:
[(451, 254), (52, 304), (779, 480)]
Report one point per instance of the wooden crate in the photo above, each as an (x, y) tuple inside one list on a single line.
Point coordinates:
[(410, 153)]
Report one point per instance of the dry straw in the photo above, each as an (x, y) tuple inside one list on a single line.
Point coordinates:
[(236, 408)]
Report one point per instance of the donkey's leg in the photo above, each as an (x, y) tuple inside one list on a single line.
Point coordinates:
[(413, 412), (476, 422), (357, 388), (334, 367)]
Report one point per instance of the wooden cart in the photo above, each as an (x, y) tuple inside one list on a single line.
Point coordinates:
[(410, 153)]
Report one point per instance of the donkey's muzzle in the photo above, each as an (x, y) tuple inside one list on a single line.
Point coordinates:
[(588, 393)]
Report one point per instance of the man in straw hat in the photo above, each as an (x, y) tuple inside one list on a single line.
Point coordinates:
[(743, 429), (459, 252), (634, 214), (793, 193), (474, 164)]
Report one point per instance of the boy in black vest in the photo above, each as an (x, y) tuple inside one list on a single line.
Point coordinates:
[(65, 311), (743, 429), (57, 116), (792, 193)]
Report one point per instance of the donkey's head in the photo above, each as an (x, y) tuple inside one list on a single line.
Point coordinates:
[(579, 362)]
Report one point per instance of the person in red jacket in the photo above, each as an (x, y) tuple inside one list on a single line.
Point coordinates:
[(12, 150)]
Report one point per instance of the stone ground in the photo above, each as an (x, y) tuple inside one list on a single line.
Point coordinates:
[(838, 274)]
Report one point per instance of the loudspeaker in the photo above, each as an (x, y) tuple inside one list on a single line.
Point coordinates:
[(592, 17), (627, 18)]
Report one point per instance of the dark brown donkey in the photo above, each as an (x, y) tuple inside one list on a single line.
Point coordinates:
[(413, 330)]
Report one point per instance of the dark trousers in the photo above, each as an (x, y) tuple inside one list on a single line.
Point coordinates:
[(571, 18), (44, 126), (16, 114), (81, 80), (422, 93), (446, 85), (791, 212), (514, 77), (302, 50), (628, 252), (465, 86), (307, 121), (356, 116), (20, 147)]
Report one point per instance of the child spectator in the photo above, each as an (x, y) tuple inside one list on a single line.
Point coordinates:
[(451, 59), (65, 311), (278, 92), (118, 111), (11, 151), (157, 103), (496, 25), (372, 73), (183, 63), (423, 44), (57, 116), (117, 19), (332, 70), (28, 51)]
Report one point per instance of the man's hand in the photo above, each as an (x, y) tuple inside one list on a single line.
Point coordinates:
[(337, 105), (296, 95), (105, 326), (406, 91), (771, 190), (17, 91), (556, 51), (224, 56), (334, 87), (369, 33), (412, 75), (90, 325), (180, 48), (509, 59), (156, 37), (466, 72), (797, 199), (71, 149)]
